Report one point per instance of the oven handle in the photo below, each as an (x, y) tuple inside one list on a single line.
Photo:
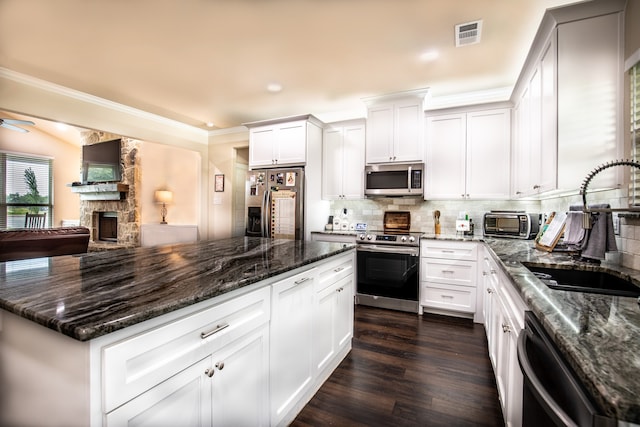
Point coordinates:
[(389, 249)]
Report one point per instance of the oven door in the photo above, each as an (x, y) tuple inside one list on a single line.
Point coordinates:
[(388, 271)]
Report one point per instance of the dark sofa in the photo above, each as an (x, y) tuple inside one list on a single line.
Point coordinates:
[(24, 243)]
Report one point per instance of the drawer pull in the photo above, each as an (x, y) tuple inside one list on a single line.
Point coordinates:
[(209, 372), (220, 366), (338, 269), (448, 251), (446, 296), (506, 328), (304, 279), (448, 271), (217, 329)]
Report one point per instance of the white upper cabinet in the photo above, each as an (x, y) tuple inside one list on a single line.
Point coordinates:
[(281, 142), (468, 155), (343, 160), (395, 131), (590, 100), (568, 101)]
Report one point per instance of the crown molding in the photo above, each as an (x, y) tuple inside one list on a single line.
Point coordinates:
[(95, 100)]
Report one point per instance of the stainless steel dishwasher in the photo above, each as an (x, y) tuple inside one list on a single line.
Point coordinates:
[(552, 395)]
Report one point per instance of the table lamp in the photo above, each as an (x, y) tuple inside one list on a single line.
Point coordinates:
[(164, 197)]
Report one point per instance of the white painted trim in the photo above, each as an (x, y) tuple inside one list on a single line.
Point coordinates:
[(228, 131), (469, 98), (632, 60), (91, 99)]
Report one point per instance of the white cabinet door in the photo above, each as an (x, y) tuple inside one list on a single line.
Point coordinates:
[(589, 107), (333, 321), (343, 162), (468, 155), (408, 142), (446, 156), (380, 128), (240, 386), (395, 132), (281, 144), (332, 163), (182, 400), (353, 163), (291, 143), (488, 154), (291, 342), (262, 141), (548, 154)]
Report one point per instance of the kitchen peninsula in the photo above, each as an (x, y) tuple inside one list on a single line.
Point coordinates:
[(101, 338)]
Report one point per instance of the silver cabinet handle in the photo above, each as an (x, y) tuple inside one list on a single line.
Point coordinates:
[(338, 269), (220, 365), (447, 251), (489, 290), (209, 372), (448, 271), (304, 279), (217, 329), (506, 328)]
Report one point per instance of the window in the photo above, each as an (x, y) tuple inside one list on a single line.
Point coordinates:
[(26, 184), (634, 84)]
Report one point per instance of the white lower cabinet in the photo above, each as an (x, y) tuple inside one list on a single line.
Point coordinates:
[(333, 312), (251, 357), (291, 343), (448, 277), (226, 388), (504, 320)]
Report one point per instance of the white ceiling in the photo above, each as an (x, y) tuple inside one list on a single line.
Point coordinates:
[(199, 61)]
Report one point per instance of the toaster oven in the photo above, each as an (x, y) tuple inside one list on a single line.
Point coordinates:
[(514, 224)]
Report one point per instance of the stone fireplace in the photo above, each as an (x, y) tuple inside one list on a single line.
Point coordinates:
[(114, 221)]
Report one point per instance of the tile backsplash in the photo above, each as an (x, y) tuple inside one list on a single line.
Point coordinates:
[(371, 212)]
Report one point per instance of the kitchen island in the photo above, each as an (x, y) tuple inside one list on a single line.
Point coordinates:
[(95, 339), (599, 335)]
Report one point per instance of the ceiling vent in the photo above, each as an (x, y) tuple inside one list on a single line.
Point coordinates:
[(468, 33)]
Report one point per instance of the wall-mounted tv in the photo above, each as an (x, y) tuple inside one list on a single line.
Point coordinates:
[(101, 162)]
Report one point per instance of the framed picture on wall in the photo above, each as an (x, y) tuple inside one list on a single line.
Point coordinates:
[(219, 184)]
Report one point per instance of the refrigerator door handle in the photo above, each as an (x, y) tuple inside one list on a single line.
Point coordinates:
[(265, 213)]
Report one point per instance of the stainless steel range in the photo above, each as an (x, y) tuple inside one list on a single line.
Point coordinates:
[(388, 264)]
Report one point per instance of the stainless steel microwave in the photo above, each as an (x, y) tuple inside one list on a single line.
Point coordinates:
[(518, 225), (394, 180)]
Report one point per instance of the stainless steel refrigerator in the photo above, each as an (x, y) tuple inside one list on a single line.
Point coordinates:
[(274, 201)]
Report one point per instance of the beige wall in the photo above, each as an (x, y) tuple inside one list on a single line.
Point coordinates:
[(33, 97), (222, 160), (66, 166), (174, 169)]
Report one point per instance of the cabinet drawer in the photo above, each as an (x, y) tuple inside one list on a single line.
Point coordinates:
[(448, 250), (448, 297), (450, 272), (333, 271), (134, 365)]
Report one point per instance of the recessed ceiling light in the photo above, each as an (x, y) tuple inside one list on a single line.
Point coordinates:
[(62, 126), (209, 124), (274, 87), (429, 55)]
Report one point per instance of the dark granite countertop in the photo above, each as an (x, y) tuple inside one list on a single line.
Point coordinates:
[(599, 335), (93, 294)]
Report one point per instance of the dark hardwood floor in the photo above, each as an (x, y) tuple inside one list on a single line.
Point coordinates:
[(408, 370)]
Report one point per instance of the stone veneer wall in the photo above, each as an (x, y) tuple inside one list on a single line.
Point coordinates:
[(128, 209)]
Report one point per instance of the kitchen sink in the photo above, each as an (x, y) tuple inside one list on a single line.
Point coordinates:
[(598, 282)]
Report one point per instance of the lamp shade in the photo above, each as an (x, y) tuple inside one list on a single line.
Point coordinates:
[(163, 196)]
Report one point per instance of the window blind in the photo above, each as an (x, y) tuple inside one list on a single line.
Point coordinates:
[(26, 185), (634, 84)]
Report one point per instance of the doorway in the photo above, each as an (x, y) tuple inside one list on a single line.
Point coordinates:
[(240, 168)]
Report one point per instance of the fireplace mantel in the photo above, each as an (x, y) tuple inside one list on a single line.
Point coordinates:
[(101, 191)]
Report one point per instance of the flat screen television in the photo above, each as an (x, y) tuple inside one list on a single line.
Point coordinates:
[(101, 162)]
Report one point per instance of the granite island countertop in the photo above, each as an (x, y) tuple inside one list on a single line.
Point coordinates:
[(599, 335), (90, 295)]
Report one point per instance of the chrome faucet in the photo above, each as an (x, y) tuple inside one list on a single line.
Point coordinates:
[(587, 221)]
